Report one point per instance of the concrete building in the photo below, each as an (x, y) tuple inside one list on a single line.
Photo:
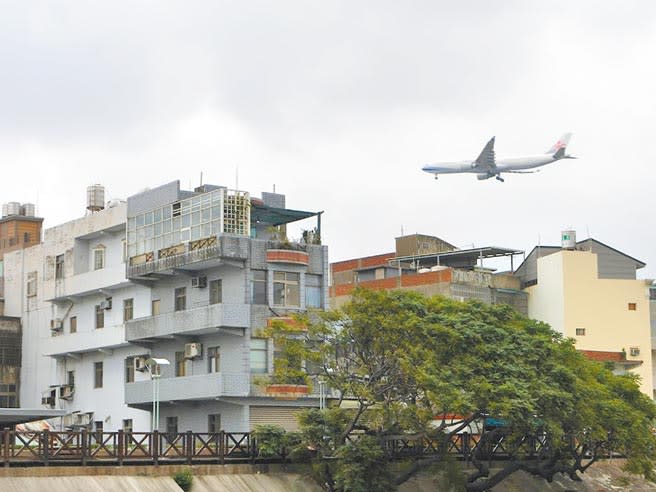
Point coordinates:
[(588, 291), (188, 277), (432, 266), (19, 228), (218, 267)]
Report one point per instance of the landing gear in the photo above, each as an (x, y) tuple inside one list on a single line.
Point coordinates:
[(499, 178)]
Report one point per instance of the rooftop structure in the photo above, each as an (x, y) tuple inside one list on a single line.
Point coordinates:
[(431, 265)]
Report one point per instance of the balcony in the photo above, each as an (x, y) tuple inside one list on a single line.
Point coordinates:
[(287, 256), (197, 321), (88, 283), (85, 342), (193, 256), (188, 388)]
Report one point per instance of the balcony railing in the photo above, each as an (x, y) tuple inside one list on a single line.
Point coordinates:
[(228, 247), (198, 387), (190, 321)]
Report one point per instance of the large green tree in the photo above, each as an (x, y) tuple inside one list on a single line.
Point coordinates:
[(398, 360)]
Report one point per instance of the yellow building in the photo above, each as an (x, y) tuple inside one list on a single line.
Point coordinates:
[(589, 292)]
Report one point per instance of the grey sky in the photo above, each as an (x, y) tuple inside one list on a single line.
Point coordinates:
[(339, 104)]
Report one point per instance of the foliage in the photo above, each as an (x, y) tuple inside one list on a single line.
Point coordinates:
[(272, 440), (399, 359), (184, 478)]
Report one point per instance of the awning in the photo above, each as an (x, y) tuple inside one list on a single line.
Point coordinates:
[(263, 214)]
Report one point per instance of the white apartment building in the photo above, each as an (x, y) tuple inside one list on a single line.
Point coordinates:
[(188, 277)]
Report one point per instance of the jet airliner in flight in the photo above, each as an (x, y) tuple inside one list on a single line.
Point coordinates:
[(487, 165)]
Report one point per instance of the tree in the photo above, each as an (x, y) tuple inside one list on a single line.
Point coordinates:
[(404, 362)]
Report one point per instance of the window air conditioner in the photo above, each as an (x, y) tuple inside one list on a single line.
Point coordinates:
[(48, 401), (66, 392), (193, 350), (57, 324), (106, 304), (140, 363), (635, 351), (199, 282)]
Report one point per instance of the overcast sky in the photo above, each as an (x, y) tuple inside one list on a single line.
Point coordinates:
[(339, 105)]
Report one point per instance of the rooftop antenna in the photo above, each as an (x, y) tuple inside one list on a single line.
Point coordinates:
[(274, 187), (401, 230), (201, 178)]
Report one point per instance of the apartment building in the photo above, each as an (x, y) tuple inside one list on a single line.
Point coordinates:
[(19, 228), (185, 279), (218, 267), (588, 291), (432, 266)]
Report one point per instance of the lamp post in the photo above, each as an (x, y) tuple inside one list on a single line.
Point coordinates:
[(153, 364)]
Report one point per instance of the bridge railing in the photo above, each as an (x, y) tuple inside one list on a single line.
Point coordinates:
[(118, 448)]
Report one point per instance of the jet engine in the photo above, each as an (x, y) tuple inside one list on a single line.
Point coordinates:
[(484, 176)]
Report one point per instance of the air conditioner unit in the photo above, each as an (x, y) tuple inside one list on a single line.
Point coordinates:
[(48, 401), (57, 324), (140, 363), (193, 350), (106, 304), (66, 392), (199, 282), (635, 351)]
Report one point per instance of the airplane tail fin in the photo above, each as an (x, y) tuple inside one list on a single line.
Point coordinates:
[(560, 145)]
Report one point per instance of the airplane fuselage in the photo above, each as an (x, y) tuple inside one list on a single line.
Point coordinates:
[(503, 164)]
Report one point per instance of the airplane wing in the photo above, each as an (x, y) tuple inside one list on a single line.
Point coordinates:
[(486, 161)]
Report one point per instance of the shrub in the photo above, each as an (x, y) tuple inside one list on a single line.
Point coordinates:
[(184, 478)]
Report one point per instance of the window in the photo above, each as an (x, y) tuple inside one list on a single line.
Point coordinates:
[(285, 289), (128, 309), (180, 298), (580, 332), (127, 425), (180, 364), (216, 291), (73, 324), (100, 317), (634, 351), (259, 356), (59, 266), (98, 424), (98, 374), (171, 427), (26, 237), (70, 378), (632, 306), (214, 423), (154, 307), (99, 258), (31, 284), (129, 369), (313, 291), (259, 287), (214, 358)]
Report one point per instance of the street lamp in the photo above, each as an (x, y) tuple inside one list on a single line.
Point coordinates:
[(153, 364)]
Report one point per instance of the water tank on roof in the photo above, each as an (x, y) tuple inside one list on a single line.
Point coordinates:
[(13, 208), (29, 210), (568, 239), (95, 197)]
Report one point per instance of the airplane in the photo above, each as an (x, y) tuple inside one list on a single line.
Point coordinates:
[(487, 165)]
